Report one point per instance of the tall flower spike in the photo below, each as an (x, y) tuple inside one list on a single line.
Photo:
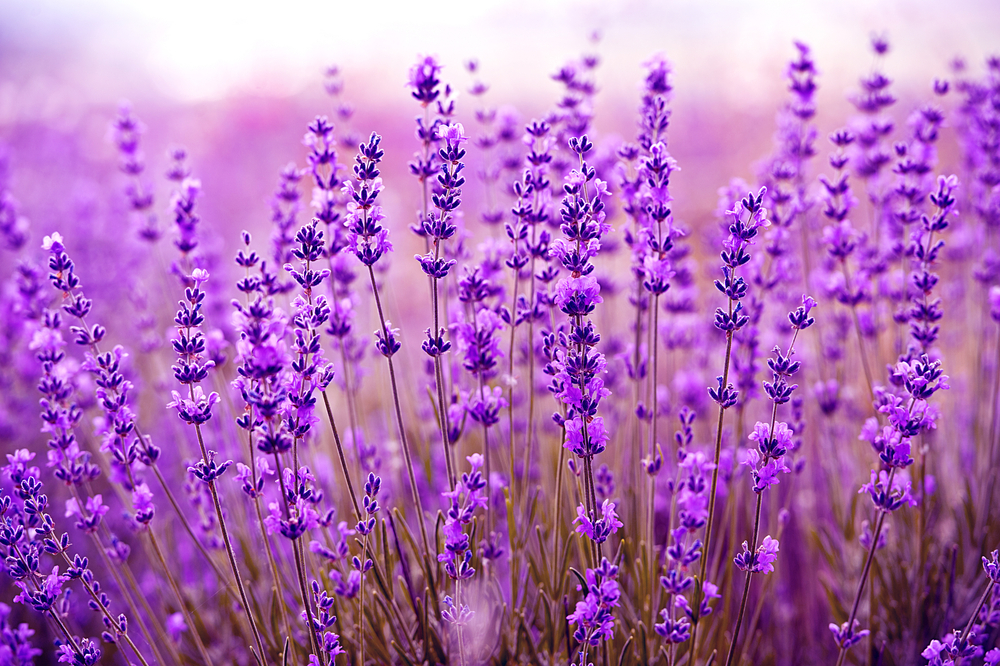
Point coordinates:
[(368, 241), (127, 133)]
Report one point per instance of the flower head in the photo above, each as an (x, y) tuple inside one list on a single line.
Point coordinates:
[(53, 242), (452, 133), (600, 529), (760, 561)]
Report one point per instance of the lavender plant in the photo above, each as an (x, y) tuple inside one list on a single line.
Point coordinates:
[(302, 501)]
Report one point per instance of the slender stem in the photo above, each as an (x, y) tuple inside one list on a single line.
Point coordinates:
[(486, 456), (556, 532), (654, 405), (756, 522), (115, 574), (171, 581), (53, 614), (439, 384), (993, 411), (712, 491), (399, 420), (340, 453), (746, 585), (865, 571), (113, 620), (857, 328), (361, 615), (300, 574), (510, 370), (975, 613), (591, 499), (195, 634), (230, 553), (528, 431), (458, 604), (279, 596), (187, 528)]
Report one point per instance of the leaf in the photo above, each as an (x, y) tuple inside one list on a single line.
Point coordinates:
[(625, 650)]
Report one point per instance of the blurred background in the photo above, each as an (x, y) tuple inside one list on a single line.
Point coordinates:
[(237, 82)]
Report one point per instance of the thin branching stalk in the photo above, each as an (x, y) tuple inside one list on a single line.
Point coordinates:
[(399, 419)]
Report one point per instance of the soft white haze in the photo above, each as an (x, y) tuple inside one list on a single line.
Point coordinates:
[(207, 49)]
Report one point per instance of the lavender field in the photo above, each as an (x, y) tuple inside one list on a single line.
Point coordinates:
[(393, 369)]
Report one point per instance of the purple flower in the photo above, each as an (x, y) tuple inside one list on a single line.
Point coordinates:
[(385, 340), (301, 518), (840, 239), (196, 410), (994, 299), (592, 615), (866, 536), (921, 377), (675, 631), (799, 317), (776, 446), (208, 471), (369, 248), (845, 637), (885, 498), (456, 615), (347, 587), (176, 626), (15, 642), (452, 133), (595, 440), (657, 274), (893, 449), (90, 519), (367, 239), (577, 296), (693, 490), (600, 529), (933, 654), (244, 476), (604, 482), (424, 81), (53, 242), (766, 474), (680, 551), (455, 541), (759, 561), (479, 342), (992, 567), (142, 504), (709, 591), (90, 653), (486, 408)]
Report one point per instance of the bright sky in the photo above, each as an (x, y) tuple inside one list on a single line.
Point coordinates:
[(204, 49)]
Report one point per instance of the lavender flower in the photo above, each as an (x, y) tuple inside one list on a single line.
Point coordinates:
[(598, 530), (593, 616), (127, 131)]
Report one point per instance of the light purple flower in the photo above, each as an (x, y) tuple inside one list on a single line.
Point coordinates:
[(176, 626), (885, 498), (761, 560), (767, 474), (452, 133), (603, 527), (142, 503)]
